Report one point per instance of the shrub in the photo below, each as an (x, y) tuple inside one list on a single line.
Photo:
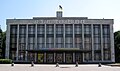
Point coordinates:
[(5, 61)]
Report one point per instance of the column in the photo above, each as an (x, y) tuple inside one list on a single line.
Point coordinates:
[(26, 52), (101, 41), (83, 39), (45, 57), (64, 57), (112, 43), (7, 41), (92, 42), (74, 57), (73, 37), (64, 34), (17, 42), (54, 57), (45, 36), (35, 36), (54, 35), (35, 57)]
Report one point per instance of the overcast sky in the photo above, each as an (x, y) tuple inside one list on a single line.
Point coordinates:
[(97, 9)]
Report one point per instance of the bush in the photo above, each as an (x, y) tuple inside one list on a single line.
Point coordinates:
[(5, 61)]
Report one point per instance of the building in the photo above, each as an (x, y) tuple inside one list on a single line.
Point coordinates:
[(60, 39)]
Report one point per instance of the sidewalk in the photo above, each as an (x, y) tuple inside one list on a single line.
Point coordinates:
[(51, 67), (114, 65)]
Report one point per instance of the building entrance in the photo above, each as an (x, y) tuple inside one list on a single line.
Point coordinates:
[(78, 57)]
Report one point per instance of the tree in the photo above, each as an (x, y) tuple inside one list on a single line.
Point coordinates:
[(117, 46), (3, 43)]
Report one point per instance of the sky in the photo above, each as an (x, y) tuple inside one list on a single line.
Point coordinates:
[(27, 9)]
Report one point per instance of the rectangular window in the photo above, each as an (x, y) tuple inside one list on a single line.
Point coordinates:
[(50, 28), (40, 40), (87, 29), (31, 29), (88, 57), (78, 28), (50, 42), (22, 29), (59, 28), (68, 40), (107, 55), (40, 45), (40, 29), (106, 29), (97, 56), (13, 29), (68, 29)]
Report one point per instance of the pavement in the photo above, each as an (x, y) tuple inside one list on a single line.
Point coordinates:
[(52, 67)]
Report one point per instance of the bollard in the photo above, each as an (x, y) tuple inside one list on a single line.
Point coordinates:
[(32, 64), (57, 65), (76, 65), (99, 65), (12, 64)]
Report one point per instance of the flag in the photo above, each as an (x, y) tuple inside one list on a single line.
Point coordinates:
[(60, 7)]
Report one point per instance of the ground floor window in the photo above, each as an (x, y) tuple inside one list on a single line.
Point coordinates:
[(69, 57), (49, 57), (59, 57), (40, 58), (78, 57)]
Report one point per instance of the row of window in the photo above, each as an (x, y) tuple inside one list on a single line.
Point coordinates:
[(78, 56), (59, 29), (60, 39)]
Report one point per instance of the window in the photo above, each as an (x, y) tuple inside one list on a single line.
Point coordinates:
[(50, 42), (68, 29), (78, 29), (78, 40), (59, 29), (40, 40), (88, 56), (40, 45), (96, 29), (22, 29), (97, 46), (68, 39), (50, 29), (106, 29), (97, 56), (87, 29), (13, 29), (40, 29), (31, 29), (107, 55), (68, 42), (31, 40), (59, 40)]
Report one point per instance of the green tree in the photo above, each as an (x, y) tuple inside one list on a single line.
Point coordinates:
[(3, 43), (117, 46)]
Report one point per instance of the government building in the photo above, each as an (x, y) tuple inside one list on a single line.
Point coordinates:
[(60, 40)]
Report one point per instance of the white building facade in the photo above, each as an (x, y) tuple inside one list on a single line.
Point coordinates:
[(60, 39)]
